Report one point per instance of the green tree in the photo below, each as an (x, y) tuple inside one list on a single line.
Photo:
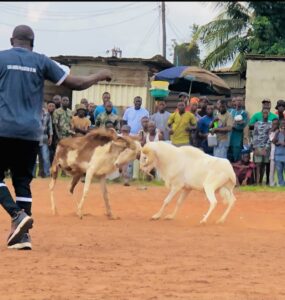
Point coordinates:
[(242, 28), (268, 35), (226, 38), (187, 54)]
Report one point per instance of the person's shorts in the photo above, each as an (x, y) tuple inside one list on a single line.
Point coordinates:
[(259, 158)]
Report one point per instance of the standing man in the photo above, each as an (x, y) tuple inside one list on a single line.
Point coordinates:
[(133, 116), (184, 97), (261, 145), (20, 123), (266, 104), (223, 129), (45, 142), (57, 100), (101, 108), (161, 118), (181, 122), (195, 141), (52, 146), (280, 107), (62, 119), (240, 121), (202, 105), (203, 129)]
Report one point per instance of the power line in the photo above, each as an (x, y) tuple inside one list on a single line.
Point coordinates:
[(66, 13), (85, 29), (147, 36), (173, 30), (70, 17)]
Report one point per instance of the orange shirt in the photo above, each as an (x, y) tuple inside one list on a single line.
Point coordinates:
[(81, 123)]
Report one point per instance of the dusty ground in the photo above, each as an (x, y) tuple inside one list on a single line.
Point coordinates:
[(134, 258)]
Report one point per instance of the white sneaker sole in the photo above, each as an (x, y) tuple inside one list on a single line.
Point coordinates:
[(21, 246), (22, 228)]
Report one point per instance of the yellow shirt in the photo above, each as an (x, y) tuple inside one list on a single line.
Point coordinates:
[(81, 123), (179, 125)]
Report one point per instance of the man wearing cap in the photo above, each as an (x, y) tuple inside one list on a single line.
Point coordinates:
[(184, 97), (280, 107), (80, 123), (266, 104), (22, 77)]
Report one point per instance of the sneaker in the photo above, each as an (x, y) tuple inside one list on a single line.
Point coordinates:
[(20, 226), (24, 244)]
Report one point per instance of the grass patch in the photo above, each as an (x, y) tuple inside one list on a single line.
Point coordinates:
[(253, 188), (141, 182)]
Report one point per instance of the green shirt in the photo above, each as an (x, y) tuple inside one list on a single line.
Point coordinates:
[(62, 119), (259, 117)]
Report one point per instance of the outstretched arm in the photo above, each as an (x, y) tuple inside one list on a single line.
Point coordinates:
[(80, 83)]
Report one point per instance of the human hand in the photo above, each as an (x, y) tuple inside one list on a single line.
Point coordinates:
[(105, 74), (49, 140)]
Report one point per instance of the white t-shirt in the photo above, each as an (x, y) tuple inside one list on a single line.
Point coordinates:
[(133, 117)]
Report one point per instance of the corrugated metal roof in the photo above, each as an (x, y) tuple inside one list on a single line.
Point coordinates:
[(121, 95), (71, 59)]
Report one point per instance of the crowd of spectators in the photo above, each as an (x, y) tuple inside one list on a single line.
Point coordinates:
[(255, 146)]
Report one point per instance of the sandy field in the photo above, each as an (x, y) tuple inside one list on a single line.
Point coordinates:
[(135, 258)]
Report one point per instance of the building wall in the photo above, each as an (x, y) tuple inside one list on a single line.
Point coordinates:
[(265, 79), (122, 96), (129, 80)]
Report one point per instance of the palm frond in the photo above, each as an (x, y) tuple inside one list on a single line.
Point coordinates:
[(222, 54)]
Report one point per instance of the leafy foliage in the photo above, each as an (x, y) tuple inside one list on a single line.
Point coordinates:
[(242, 28), (187, 54)]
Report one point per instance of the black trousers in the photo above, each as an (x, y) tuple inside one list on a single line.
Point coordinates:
[(18, 156)]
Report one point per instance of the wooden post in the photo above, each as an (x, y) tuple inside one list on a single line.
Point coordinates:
[(163, 29)]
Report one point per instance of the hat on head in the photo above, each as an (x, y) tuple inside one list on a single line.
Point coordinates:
[(183, 94), (81, 107), (194, 100), (266, 100), (280, 103)]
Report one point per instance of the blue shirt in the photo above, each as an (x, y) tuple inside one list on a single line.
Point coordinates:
[(133, 117), (204, 123), (279, 154), (100, 109), (22, 77)]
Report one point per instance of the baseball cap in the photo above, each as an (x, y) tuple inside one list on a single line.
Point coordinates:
[(183, 94), (266, 100), (280, 103)]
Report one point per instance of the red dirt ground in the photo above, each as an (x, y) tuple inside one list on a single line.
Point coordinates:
[(134, 258)]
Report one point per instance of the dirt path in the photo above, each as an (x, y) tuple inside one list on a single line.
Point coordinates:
[(134, 258)]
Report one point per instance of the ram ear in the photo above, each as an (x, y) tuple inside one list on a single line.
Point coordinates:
[(151, 155)]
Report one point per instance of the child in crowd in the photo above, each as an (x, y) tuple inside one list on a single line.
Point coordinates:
[(274, 129), (279, 155), (244, 169)]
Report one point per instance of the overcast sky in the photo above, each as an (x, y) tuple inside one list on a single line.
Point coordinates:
[(92, 28)]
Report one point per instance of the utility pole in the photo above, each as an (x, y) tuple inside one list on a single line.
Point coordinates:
[(163, 29)]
